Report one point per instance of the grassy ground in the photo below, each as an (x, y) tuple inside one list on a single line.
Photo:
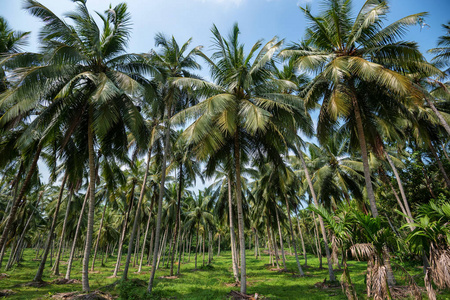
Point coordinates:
[(207, 283)]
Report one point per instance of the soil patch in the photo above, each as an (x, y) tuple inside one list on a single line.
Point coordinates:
[(96, 295), (239, 296), (327, 285), (3, 275), (6, 293), (36, 284), (168, 277), (66, 281)]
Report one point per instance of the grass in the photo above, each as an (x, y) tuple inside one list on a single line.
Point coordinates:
[(209, 282)]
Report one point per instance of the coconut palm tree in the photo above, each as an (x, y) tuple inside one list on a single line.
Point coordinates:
[(243, 112), (172, 61), (11, 42), (86, 79), (351, 53), (442, 52)]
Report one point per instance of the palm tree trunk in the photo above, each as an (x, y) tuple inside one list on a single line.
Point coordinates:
[(440, 165), (91, 211), (28, 223), (281, 239), (177, 219), (218, 246), (232, 232), (365, 159), (400, 186), (40, 270), (322, 225), (190, 247), (136, 246), (237, 161), (77, 230), (61, 240), (161, 195), (180, 250), (145, 240), (146, 234), (303, 242), (150, 253), (124, 229), (136, 218), (196, 246), (97, 242), (18, 200), (318, 244), (439, 115), (203, 244), (300, 270)]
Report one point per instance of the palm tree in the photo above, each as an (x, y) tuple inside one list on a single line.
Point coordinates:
[(244, 112), (199, 214), (173, 62), (85, 78), (442, 52), (10, 43), (350, 54)]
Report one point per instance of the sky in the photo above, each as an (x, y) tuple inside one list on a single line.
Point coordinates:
[(257, 19)]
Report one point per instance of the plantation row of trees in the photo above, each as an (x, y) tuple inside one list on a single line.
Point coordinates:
[(125, 135)]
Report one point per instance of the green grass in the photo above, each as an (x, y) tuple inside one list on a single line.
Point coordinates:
[(207, 283)]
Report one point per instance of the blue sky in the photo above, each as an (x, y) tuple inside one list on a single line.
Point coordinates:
[(258, 19)]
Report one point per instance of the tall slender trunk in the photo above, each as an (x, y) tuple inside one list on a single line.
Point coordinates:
[(40, 270), (232, 232), (275, 247), (190, 247), (77, 230), (180, 246), (18, 200), (237, 161), (196, 246), (136, 218), (218, 246), (400, 186), (150, 253), (318, 244), (322, 225), (440, 165), (303, 242), (91, 211), (61, 239), (281, 239), (439, 115), (364, 156), (124, 229), (177, 219), (161, 194), (28, 223), (97, 242), (146, 233), (300, 270), (203, 243), (136, 246)]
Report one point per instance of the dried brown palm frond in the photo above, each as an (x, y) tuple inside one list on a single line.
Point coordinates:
[(411, 290), (335, 250), (440, 265), (428, 285), (346, 284), (363, 251), (377, 280)]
